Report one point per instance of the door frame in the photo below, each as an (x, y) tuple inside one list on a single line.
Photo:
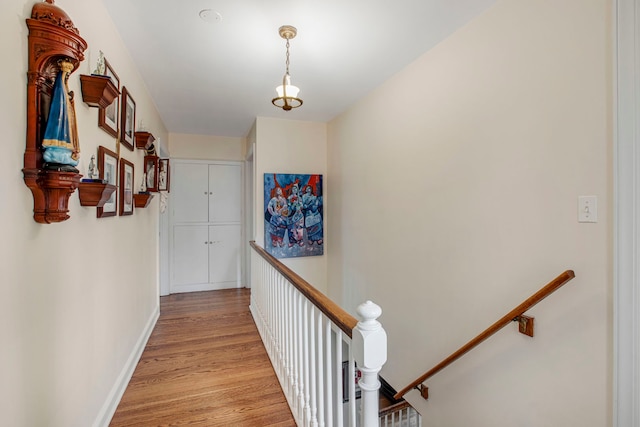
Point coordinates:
[(249, 216), (626, 234)]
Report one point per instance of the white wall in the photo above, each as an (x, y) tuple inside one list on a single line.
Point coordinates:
[(287, 146), (206, 147), (76, 296), (454, 193)]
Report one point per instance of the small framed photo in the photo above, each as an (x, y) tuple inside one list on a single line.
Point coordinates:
[(151, 172), (108, 171), (126, 187), (108, 117), (127, 120), (163, 175)]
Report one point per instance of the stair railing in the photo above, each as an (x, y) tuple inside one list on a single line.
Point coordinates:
[(401, 414), (517, 314), (314, 346)]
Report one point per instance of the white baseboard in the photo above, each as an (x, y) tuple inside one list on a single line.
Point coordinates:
[(111, 404)]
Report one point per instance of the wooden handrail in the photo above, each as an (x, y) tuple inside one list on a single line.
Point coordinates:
[(505, 320), (333, 311)]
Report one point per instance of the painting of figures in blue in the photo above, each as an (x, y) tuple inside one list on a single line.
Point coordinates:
[(293, 215)]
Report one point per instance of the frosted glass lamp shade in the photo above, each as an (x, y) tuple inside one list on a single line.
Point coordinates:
[(292, 91)]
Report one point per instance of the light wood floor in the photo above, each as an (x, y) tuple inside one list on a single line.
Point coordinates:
[(204, 365)]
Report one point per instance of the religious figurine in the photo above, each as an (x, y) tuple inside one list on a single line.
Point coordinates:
[(92, 172), (60, 143), (150, 150), (162, 177), (150, 175), (143, 184), (100, 66)]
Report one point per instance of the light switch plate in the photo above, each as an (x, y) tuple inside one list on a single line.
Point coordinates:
[(587, 209)]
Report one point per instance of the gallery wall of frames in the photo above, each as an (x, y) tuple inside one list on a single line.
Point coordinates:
[(55, 51)]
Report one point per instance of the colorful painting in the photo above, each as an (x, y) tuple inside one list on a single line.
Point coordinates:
[(293, 215)]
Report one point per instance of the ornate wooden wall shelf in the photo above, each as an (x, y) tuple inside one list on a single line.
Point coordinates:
[(142, 200), (144, 139), (98, 91), (51, 191), (52, 38), (95, 193)]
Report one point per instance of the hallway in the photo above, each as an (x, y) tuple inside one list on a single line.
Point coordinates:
[(204, 365)]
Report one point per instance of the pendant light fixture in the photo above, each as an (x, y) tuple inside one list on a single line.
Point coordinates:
[(287, 93)]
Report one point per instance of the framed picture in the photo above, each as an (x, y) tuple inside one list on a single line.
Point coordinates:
[(108, 117), (293, 215), (127, 120), (151, 172), (108, 170), (126, 187), (357, 374), (163, 175)]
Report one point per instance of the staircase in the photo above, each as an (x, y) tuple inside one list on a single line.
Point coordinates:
[(394, 412)]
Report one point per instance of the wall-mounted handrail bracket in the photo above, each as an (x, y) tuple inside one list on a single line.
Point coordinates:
[(424, 391), (525, 324)]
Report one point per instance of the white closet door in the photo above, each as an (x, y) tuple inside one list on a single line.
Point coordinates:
[(190, 255), (224, 255), (190, 192), (225, 193)]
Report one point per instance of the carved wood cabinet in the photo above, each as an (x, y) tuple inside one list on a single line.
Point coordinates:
[(52, 38)]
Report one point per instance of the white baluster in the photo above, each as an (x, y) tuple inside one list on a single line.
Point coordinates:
[(338, 375), (321, 387), (307, 397), (281, 323), (328, 386), (290, 359), (312, 366), (370, 348), (300, 370), (352, 387)]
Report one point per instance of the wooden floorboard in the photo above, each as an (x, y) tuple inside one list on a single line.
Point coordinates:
[(204, 365)]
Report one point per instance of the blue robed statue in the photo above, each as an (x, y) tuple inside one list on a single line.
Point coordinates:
[(60, 143)]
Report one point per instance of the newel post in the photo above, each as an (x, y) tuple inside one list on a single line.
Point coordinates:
[(369, 342)]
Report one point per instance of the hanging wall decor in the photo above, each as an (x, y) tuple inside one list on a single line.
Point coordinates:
[(127, 120), (293, 215), (151, 173), (52, 151), (126, 187), (164, 175), (108, 172), (108, 117)]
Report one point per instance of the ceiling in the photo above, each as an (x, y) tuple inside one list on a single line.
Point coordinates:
[(215, 77)]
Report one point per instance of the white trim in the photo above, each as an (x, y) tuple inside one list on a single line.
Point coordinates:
[(626, 333), (163, 242), (249, 223), (111, 404)]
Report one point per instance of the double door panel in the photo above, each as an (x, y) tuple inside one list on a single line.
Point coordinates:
[(206, 202), (206, 193), (206, 256)]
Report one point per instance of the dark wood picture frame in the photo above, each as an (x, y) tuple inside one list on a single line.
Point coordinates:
[(108, 118), (164, 175), (127, 120), (108, 170), (126, 187), (151, 171)]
